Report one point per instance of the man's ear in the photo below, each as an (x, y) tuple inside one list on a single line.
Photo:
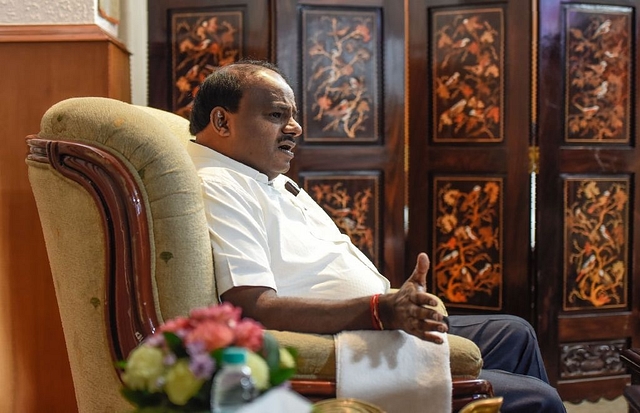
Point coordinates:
[(218, 119)]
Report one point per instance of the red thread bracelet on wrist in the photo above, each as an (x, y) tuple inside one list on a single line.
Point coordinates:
[(375, 312)]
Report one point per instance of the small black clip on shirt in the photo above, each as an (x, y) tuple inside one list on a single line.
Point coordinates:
[(291, 187)]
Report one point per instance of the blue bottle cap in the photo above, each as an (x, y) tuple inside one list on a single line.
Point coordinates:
[(234, 355)]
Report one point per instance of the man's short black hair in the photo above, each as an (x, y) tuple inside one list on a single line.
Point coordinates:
[(224, 87)]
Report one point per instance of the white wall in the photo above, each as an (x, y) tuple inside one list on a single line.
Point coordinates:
[(47, 11), (132, 29), (53, 12), (133, 33)]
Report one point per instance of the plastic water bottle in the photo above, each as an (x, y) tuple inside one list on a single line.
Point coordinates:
[(233, 385)]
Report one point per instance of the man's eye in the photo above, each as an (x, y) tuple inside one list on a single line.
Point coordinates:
[(276, 115)]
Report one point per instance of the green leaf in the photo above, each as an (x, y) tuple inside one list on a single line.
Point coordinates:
[(175, 344), (294, 352), (146, 402), (271, 351), (141, 398), (203, 397), (279, 376), (217, 354)]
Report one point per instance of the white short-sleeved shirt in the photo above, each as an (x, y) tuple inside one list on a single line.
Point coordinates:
[(263, 235)]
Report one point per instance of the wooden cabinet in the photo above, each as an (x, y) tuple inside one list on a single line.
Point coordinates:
[(41, 65)]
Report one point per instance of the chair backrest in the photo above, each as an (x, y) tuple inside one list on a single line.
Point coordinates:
[(119, 268)]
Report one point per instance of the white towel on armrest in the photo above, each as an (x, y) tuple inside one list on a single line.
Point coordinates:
[(394, 370)]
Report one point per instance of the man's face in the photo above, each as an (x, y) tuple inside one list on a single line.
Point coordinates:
[(264, 129)]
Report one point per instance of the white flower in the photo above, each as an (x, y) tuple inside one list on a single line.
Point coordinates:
[(181, 384), (259, 370), (144, 368)]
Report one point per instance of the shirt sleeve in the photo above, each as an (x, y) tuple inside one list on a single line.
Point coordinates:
[(238, 236)]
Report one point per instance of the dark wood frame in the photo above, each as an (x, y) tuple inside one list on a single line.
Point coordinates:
[(129, 314)]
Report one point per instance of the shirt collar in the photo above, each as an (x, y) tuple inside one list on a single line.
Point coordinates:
[(204, 156)]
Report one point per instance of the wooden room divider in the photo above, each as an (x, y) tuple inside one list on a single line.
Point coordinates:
[(498, 136)]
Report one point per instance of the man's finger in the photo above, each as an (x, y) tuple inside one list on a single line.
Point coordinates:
[(419, 275)]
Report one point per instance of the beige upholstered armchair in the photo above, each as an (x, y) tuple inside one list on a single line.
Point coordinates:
[(122, 215)]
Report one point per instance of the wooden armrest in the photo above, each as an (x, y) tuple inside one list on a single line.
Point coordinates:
[(632, 394), (462, 387), (631, 357), (464, 390)]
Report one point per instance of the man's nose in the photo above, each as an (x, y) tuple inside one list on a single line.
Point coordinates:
[(293, 127)]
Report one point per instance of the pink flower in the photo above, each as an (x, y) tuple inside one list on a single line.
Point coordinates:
[(175, 325), (223, 313), (155, 340), (178, 359), (213, 334), (249, 334)]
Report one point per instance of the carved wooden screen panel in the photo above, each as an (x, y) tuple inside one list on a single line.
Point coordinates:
[(341, 74), (467, 56), (201, 41), (596, 243), (469, 80), (188, 39), (346, 63), (588, 169), (467, 259), (352, 200)]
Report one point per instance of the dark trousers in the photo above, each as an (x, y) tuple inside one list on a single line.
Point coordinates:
[(512, 361)]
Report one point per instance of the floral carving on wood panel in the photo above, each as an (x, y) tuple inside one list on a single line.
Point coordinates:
[(467, 54), (467, 262), (582, 360), (340, 75), (200, 42), (596, 232), (352, 202), (598, 74)]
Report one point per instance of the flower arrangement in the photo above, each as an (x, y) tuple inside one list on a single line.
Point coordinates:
[(173, 369)]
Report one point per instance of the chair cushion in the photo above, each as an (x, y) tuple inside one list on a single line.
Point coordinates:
[(466, 359), (317, 359)]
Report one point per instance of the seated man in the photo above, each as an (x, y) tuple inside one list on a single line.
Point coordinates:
[(277, 253)]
